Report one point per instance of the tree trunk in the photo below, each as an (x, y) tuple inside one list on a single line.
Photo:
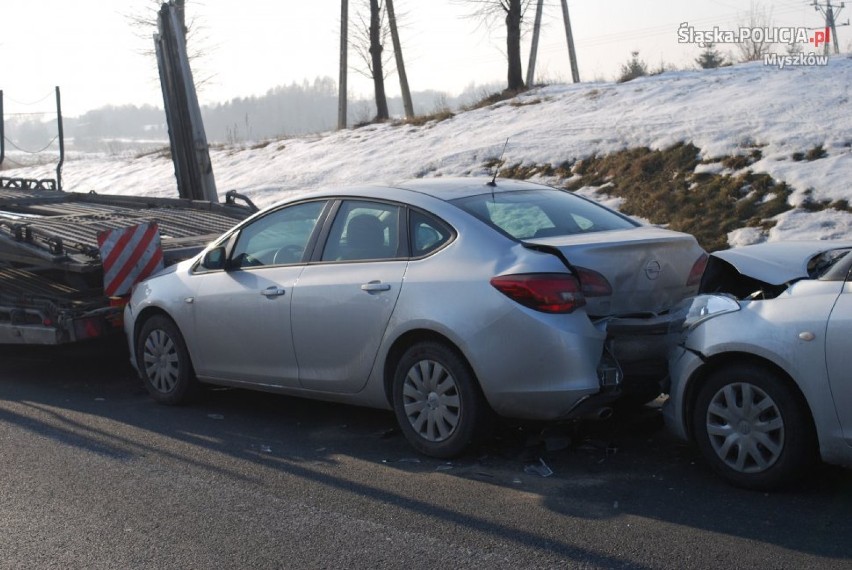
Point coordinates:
[(400, 64), (376, 56), (344, 52), (513, 45)]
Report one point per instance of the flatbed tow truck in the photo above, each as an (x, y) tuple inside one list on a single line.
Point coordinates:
[(51, 272)]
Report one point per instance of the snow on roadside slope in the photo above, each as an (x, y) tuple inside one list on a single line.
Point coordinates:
[(723, 111)]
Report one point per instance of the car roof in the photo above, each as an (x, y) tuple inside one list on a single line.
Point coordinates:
[(446, 189), (452, 188)]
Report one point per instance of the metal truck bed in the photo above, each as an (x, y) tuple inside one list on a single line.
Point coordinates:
[(58, 228), (51, 276)]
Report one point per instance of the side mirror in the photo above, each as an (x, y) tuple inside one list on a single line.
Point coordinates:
[(214, 259)]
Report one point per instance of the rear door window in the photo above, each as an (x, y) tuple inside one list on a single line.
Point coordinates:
[(364, 230)]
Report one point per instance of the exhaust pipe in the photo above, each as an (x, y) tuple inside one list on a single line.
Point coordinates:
[(600, 414)]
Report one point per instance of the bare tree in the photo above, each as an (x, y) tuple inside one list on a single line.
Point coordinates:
[(488, 12), (368, 42), (755, 47), (144, 21)]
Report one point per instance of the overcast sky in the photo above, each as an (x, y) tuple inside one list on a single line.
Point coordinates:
[(90, 49)]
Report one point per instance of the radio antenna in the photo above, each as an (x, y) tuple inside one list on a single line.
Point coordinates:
[(497, 164)]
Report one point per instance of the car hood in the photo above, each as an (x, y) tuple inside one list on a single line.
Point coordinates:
[(777, 263)]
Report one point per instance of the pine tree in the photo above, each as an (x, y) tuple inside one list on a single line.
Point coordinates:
[(710, 58), (634, 68)]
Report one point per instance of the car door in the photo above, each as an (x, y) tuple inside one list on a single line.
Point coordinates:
[(838, 348), (242, 313), (343, 301)]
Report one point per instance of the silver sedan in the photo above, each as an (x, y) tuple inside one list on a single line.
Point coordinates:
[(761, 379), (448, 301)]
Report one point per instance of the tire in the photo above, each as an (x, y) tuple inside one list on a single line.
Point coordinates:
[(163, 361), (753, 428), (437, 401)]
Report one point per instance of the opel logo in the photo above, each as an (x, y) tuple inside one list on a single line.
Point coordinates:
[(653, 270)]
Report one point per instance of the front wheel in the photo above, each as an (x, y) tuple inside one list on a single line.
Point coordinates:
[(437, 401), (163, 361), (753, 428)]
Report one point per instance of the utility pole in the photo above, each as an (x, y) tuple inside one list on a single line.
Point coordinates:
[(2, 131), (400, 65), (61, 140), (344, 50), (534, 47), (828, 11), (572, 53)]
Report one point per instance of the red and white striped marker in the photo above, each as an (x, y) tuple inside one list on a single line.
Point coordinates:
[(129, 255)]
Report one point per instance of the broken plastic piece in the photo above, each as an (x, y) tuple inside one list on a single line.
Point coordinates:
[(541, 469)]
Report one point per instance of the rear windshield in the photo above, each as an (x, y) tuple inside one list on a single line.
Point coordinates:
[(528, 214)]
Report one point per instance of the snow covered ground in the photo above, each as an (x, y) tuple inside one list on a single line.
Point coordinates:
[(726, 111)]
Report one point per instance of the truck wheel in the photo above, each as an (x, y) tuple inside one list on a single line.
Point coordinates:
[(753, 429), (437, 401), (163, 361)]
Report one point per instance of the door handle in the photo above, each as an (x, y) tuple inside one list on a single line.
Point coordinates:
[(373, 286), (273, 292)]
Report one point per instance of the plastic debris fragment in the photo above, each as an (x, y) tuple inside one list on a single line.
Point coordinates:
[(540, 468)]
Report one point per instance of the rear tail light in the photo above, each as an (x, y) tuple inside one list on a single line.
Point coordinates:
[(545, 292), (697, 271), (592, 283)]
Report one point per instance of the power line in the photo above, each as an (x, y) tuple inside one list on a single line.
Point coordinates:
[(49, 94), (11, 142)]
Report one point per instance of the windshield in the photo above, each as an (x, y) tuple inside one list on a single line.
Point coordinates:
[(529, 214)]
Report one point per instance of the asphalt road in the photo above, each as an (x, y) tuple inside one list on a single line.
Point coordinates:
[(95, 475)]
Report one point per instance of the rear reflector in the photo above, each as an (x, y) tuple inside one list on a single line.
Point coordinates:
[(545, 292), (592, 283), (697, 271)]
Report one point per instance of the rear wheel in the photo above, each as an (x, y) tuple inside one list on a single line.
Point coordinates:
[(437, 401), (753, 428), (163, 361)]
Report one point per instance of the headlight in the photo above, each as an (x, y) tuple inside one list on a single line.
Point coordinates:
[(698, 309)]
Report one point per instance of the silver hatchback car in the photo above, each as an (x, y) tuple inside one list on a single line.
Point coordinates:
[(761, 378), (446, 300)]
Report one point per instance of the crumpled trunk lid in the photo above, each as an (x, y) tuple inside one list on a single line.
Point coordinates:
[(647, 267)]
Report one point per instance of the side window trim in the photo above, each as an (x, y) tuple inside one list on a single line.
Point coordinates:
[(322, 237), (325, 215)]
